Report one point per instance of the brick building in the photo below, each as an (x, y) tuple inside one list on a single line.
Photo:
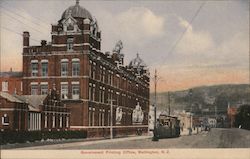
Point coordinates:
[(13, 113), (33, 112), (86, 78), (11, 82)]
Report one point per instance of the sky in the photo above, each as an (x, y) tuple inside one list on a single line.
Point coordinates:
[(189, 43)]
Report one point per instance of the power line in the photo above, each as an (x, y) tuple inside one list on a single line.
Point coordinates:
[(22, 11), (39, 24), (17, 33), (183, 33), (191, 21), (22, 22)]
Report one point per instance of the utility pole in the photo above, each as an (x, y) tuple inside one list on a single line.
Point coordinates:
[(111, 117), (190, 93), (155, 80), (169, 103)]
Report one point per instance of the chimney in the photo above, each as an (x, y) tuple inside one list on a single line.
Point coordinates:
[(26, 38)]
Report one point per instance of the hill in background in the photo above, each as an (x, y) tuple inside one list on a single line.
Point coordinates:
[(204, 99)]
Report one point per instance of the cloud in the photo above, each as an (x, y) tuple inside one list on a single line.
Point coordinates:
[(194, 42), (137, 25), (142, 22)]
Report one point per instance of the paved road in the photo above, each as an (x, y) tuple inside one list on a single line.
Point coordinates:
[(216, 138)]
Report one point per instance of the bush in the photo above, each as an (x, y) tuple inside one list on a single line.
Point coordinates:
[(243, 117), (31, 136)]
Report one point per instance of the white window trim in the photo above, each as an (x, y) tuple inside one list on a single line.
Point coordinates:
[(5, 86), (3, 123), (75, 82), (64, 60), (75, 60), (34, 61), (44, 61)]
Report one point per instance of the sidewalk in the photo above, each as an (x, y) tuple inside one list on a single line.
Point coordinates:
[(69, 142)]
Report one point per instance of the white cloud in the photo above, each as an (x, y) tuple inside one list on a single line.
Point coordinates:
[(194, 42), (137, 25), (140, 22)]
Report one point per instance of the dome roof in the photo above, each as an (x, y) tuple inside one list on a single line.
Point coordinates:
[(77, 11), (137, 62)]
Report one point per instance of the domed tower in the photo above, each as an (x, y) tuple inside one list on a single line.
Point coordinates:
[(78, 29), (138, 65)]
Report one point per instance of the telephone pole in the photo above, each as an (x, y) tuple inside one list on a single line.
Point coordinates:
[(111, 117), (169, 103), (155, 80)]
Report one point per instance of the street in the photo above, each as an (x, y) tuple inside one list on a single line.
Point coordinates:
[(216, 138)]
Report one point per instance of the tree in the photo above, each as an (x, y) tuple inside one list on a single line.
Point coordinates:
[(243, 117)]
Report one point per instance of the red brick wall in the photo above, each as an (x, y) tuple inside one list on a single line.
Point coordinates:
[(14, 84), (17, 113)]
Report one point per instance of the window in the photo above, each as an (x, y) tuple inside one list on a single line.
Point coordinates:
[(34, 89), (90, 91), (103, 95), (103, 75), (118, 82), (75, 67), (60, 121), (45, 120), (4, 86), (64, 90), (93, 117), (34, 68), (101, 72), (75, 90), (44, 89), (109, 94), (70, 44), (93, 93), (100, 94), (109, 117), (21, 86), (93, 70), (100, 117), (67, 121), (64, 67), (70, 27), (90, 68), (53, 121), (111, 79), (108, 77), (5, 120), (90, 116), (103, 117), (44, 68)]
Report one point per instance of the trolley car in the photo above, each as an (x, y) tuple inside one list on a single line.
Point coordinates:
[(167, 127)]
